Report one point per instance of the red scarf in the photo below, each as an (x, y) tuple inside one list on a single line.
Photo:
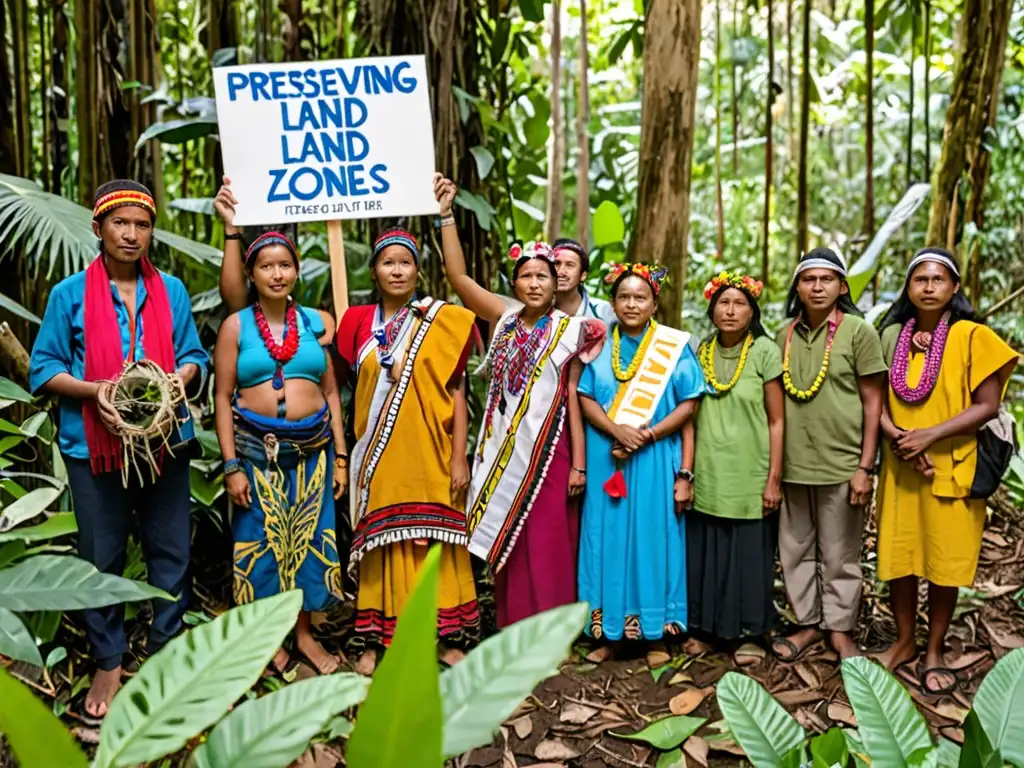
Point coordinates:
[(104, 360)]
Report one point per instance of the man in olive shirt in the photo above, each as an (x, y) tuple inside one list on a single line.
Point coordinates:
[(832, 375)]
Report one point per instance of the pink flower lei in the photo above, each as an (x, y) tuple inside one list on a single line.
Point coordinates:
[(933, 361)]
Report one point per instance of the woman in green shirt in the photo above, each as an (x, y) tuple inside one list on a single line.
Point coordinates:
[(732, 532)]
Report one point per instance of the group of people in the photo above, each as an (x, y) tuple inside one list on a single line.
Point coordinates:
[(618, 461)]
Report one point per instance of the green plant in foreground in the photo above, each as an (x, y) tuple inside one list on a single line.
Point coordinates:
[(412, 716), (891, 732)]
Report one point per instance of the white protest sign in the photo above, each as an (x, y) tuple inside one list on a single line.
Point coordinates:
[(327, 140)]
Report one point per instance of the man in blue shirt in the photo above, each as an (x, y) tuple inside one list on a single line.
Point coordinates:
[(120, 309)]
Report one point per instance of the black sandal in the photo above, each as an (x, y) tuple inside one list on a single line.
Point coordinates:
[(906, 672), (927, 689), (75, 709), (131, 666), (796, 653)]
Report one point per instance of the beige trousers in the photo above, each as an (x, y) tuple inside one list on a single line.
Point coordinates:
[(819, 546)]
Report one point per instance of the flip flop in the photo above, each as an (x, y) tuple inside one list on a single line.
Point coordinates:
[(927, 689), (796, 653), (135, 661), (75, 709)]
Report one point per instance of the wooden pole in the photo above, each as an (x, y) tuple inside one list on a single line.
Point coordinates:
[(339, 278)]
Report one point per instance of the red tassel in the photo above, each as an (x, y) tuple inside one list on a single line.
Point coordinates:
[(615, 486)]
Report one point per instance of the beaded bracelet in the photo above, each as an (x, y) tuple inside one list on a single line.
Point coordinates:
[(231, 466)]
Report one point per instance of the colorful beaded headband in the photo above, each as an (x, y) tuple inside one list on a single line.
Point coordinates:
[(532, 250), (727, 279), (270, 238), (653, 276), (936, 255), (572, 247), (396, 237), (121, 197)]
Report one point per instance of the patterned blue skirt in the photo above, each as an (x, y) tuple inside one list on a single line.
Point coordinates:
[(286, 540)]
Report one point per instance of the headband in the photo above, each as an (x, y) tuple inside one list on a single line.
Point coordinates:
[(270, 238), (572, 247), (936, 255), (813, 261), (395, 237), (654, 275), (532, 250), (727, 279), (121, 197)]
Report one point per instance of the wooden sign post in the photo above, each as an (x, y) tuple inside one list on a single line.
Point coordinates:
[(339, 277)]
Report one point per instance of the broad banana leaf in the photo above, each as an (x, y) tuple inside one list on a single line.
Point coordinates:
[(190, 683), (483, 689), (64, 583), (35, 735), (16, 641), (766, 731), (400, 723), (274, 730), (1000, 706), (890, 726)]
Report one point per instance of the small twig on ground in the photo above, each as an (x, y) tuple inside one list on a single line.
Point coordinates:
[(617, 757)]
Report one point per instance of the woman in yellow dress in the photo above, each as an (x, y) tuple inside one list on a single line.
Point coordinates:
[(947, 376)]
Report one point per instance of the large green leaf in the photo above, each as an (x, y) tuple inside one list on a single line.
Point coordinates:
[(179, 131), (483, 689), (58, 524), (16, 309), (890, 726), (42, 226), (400, 723), (189, 684), (11, 391), (274, 730), (608, 224), (63, 583), (1000, 706), (37, 738), (765, 731), (829, 748), (978, 751), (667, 733), (28, 506), (16, 641)]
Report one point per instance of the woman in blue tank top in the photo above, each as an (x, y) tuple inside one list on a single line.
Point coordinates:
[(279, 423)]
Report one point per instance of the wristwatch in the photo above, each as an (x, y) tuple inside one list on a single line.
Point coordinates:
[(685, 474)]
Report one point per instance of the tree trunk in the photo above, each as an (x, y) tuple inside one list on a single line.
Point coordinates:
[(298, 42), (583, 136), (790, 98), (927, 89), (805, 126), (869, 119), (144, 67), (60, 149), (719, 207), (769, 148), (555, 208), (910, 100), (735, 89), (44, 90), (671, 58), (8, 140), (20, 48), (974, 98)]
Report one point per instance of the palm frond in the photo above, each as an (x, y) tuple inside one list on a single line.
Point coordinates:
[(56, 232)]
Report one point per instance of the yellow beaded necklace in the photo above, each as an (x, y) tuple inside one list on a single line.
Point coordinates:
[(706, 355), (806, 395), (637, 358)]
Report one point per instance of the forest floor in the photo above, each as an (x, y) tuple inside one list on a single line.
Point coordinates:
[(572, 719)]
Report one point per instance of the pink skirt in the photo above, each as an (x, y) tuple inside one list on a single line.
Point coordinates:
[(540, 573)]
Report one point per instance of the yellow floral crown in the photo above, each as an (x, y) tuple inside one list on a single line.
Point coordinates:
[(727, 279), (654, 275)]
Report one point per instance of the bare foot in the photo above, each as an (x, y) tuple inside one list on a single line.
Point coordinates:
[(324, 662), (794, 646), (452, 656), (896, 654), (844, 645), (367, 662), (601, 653), (105, 683), (936, 677)]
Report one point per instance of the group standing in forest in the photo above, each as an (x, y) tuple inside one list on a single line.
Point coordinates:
[(619, 460)]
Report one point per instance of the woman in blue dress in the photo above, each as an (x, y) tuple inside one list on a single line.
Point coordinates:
[(638, 398)]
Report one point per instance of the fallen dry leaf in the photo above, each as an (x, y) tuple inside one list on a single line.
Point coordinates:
[(748, 654), (574, 713), (687, 701), (681, 677), (555, 749), (991, 589), (796, 696), (508, 760), (523, 726), (725, 745), (965, 660), (810, 721), (807, 675), (1003, 639), (996, 539), (697, 750), (595, 729), (841, 713), (548, 765), (658, 658), (944, 709), (695, 647)]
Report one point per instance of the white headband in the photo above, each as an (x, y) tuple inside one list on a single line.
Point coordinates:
[(820, 263), (938, 258)]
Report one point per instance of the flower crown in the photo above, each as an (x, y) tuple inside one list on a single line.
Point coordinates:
[(532, 250), (654, 275), (728, 279)]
